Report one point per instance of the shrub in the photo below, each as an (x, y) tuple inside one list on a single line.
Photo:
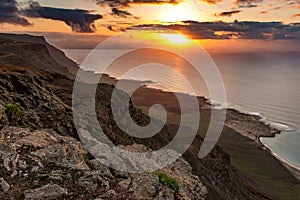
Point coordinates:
[(167, 180), (14, 113)]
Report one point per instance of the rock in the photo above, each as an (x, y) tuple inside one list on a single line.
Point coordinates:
[(144, 186), (124, 184), (190, 186), (15, 173), (101, 169), (111, 194), (56, 175), (89, 181), (47, 192), (4, 185), (7, 155), (22, 164), (165, 194), (36, 140), (203, 191)]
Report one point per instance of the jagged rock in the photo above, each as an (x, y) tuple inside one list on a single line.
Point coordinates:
[(100, 168), (47, 192), (36, 140), (66, 155), (190, 186), (4, 185), (124, 184), (56, 175), (164, 194), (7, 155), (15, 173), (144, 186), (89, 181)]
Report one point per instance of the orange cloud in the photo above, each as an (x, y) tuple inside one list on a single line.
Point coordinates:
[(263, 12), (296, 15)]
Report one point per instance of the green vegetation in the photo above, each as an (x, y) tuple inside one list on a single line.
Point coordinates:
[(270, 177), (14, 113), (167, 180)]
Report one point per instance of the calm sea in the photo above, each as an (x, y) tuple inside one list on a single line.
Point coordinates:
[(266, 84)]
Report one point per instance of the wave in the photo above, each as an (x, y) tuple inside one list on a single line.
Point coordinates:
[(282, 127)]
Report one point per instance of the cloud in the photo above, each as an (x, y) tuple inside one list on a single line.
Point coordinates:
[(247, 3), (263, 12), (120, 13), (236, 29), (212, 1), (126, 3), (9, 13), (296, 15), (79, 20), (228, 13)]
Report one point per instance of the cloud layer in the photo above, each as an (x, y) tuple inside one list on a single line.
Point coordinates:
[(239, 30), (9, 13), (126, 3)]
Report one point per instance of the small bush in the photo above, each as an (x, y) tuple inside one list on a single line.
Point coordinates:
[(14, 113), (167, 180)]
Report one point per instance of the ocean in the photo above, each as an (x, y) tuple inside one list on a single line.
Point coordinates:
[(265, 84)]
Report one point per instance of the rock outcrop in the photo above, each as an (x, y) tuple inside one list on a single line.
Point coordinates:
[(42, 164)]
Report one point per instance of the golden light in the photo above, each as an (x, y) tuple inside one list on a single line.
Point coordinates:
[(174, 38), (179, 12)]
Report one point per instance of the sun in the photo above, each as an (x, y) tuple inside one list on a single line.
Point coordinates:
[(174, 38), (179, 12)]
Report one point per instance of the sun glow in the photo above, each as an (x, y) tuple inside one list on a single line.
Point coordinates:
[(174, 39), (180, 12)]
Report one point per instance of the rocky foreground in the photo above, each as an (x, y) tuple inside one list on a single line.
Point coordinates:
[(42, 164), (41, 156)]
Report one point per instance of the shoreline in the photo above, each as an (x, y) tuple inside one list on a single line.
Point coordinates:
[(295, 171), (253, 126)]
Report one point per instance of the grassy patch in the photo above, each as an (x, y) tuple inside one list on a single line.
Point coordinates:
[(167, 180), (14, 112)]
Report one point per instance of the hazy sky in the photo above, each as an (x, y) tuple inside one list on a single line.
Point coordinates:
[(106, 16)]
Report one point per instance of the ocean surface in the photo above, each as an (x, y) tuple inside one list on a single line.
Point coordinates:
[(265, 84)]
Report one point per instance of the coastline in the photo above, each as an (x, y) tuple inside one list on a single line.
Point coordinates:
[(291, 168), (253, 126)]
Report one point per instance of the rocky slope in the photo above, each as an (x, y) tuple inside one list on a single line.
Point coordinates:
[(34, 52), (42, 164), (45, 159)]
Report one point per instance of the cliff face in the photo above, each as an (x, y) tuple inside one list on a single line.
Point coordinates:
[(41, 164), (34, 51)]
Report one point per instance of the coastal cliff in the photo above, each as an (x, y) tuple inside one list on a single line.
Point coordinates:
[(41, 156)]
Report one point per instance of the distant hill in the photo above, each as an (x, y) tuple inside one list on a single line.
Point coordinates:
[(36, 52)]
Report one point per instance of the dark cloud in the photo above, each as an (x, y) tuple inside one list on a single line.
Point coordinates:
[(126, 3), (228, 13), (115, 29), (240, 30), (79, 20), (120, 13), (9, 13), (212, 1), (247, 3)]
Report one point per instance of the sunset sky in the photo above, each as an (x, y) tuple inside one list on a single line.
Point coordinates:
[(229, 19)]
